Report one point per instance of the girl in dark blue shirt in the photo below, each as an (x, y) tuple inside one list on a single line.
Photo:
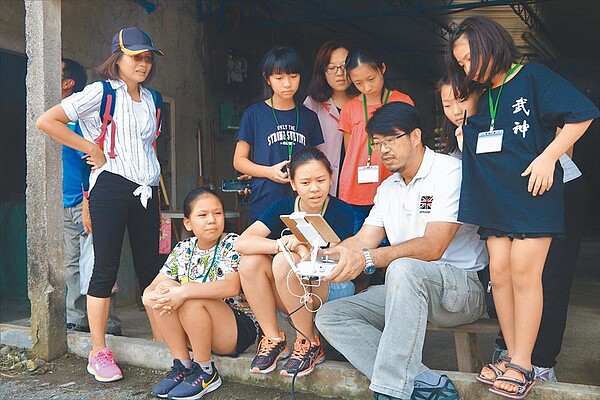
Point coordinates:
[(265, 274), (512, 183), (270, 131)]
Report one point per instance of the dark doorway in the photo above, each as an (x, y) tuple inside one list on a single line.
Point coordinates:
[(13, 234)]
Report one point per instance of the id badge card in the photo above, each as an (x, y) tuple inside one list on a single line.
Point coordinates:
[(368, 174), (489, 141)]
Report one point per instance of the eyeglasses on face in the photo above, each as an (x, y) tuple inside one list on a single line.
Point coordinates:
[(333, 69), (388, 143), (149, 58)]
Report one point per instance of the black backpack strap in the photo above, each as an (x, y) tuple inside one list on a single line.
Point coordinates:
[(158, 104)]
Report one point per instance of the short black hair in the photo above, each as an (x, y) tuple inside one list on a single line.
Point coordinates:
[(188, 202), (305, 155), (280, 60), (393, 117), (74, 70)]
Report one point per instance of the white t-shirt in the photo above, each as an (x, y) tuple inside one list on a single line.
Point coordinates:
[(135, 157), (432, 196)]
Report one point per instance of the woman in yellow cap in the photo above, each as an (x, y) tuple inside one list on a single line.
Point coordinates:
[(123, 184)]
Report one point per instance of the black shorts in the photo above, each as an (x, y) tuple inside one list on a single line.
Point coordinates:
[(246, 332), (485, 233)]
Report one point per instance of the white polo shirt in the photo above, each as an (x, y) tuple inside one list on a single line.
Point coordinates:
[(135, 131), (432, 196)]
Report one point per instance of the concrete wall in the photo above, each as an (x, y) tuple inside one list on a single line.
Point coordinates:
[(12, 26)]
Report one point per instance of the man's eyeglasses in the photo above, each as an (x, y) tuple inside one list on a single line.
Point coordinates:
[(388, 143), (149, 58), (333, 69)]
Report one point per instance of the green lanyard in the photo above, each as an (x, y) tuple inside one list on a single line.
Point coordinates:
[(369, 149), (494, 106), (322, 207), (212, 263), (290, 146)]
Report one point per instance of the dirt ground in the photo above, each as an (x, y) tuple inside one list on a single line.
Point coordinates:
[(67, 379)]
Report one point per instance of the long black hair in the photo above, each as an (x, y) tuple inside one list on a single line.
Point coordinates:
[(372, 59), (448, 129), (492, 50), (318, 88)]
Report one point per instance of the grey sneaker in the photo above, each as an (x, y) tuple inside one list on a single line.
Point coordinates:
[(443, 390), (544, 374)]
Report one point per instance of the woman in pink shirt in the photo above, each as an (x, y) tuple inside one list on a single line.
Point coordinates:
[(327, 94)]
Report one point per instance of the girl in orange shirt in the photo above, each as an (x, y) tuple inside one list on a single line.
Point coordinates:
[(362, 171)]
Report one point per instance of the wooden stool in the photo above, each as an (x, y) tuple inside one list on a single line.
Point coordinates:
[(465, 341)]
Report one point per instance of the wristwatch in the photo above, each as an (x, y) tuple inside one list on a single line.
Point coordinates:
[(369, 265)]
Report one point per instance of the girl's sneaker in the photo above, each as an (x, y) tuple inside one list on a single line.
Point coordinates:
[(104, 367), (304, 358), (173, 378), (196, 384), (545, 374), (268, 352)]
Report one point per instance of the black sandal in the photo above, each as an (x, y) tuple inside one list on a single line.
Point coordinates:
[(494, 369), (523, 386)]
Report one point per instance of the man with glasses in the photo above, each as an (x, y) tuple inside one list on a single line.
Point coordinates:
[(432, 265)]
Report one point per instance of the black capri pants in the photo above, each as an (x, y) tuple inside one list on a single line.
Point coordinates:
[(113, 207)]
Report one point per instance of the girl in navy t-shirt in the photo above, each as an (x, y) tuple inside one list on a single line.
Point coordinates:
[(512, 182), (270, 131)]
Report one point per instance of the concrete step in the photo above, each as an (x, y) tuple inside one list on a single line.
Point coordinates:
[(329, 379)]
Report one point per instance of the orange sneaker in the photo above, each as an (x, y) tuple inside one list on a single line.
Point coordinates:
[(304, 358), (269, 351)]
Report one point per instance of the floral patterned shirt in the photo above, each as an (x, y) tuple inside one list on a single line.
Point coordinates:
[(188, 263)]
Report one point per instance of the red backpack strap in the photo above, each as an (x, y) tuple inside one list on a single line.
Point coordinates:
[(107, 109)]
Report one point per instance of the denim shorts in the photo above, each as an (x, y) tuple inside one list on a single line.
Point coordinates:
[(336, 291), (339, 290)]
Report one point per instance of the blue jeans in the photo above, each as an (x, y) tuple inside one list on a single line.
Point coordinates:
[(381, 331)]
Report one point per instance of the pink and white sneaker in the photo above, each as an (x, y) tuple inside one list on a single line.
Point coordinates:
[(103, 366)]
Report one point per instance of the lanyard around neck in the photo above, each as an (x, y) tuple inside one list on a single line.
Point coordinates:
[(322, 207), (364, 97), (494, 105), (290, 146), (212, 263)]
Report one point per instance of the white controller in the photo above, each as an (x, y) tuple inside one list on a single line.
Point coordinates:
[(315, 269), (320, 268)]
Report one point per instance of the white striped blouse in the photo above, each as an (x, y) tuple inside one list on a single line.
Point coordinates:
[(135, 157)]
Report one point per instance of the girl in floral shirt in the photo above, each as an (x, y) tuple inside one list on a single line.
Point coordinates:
[(196, 300)]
